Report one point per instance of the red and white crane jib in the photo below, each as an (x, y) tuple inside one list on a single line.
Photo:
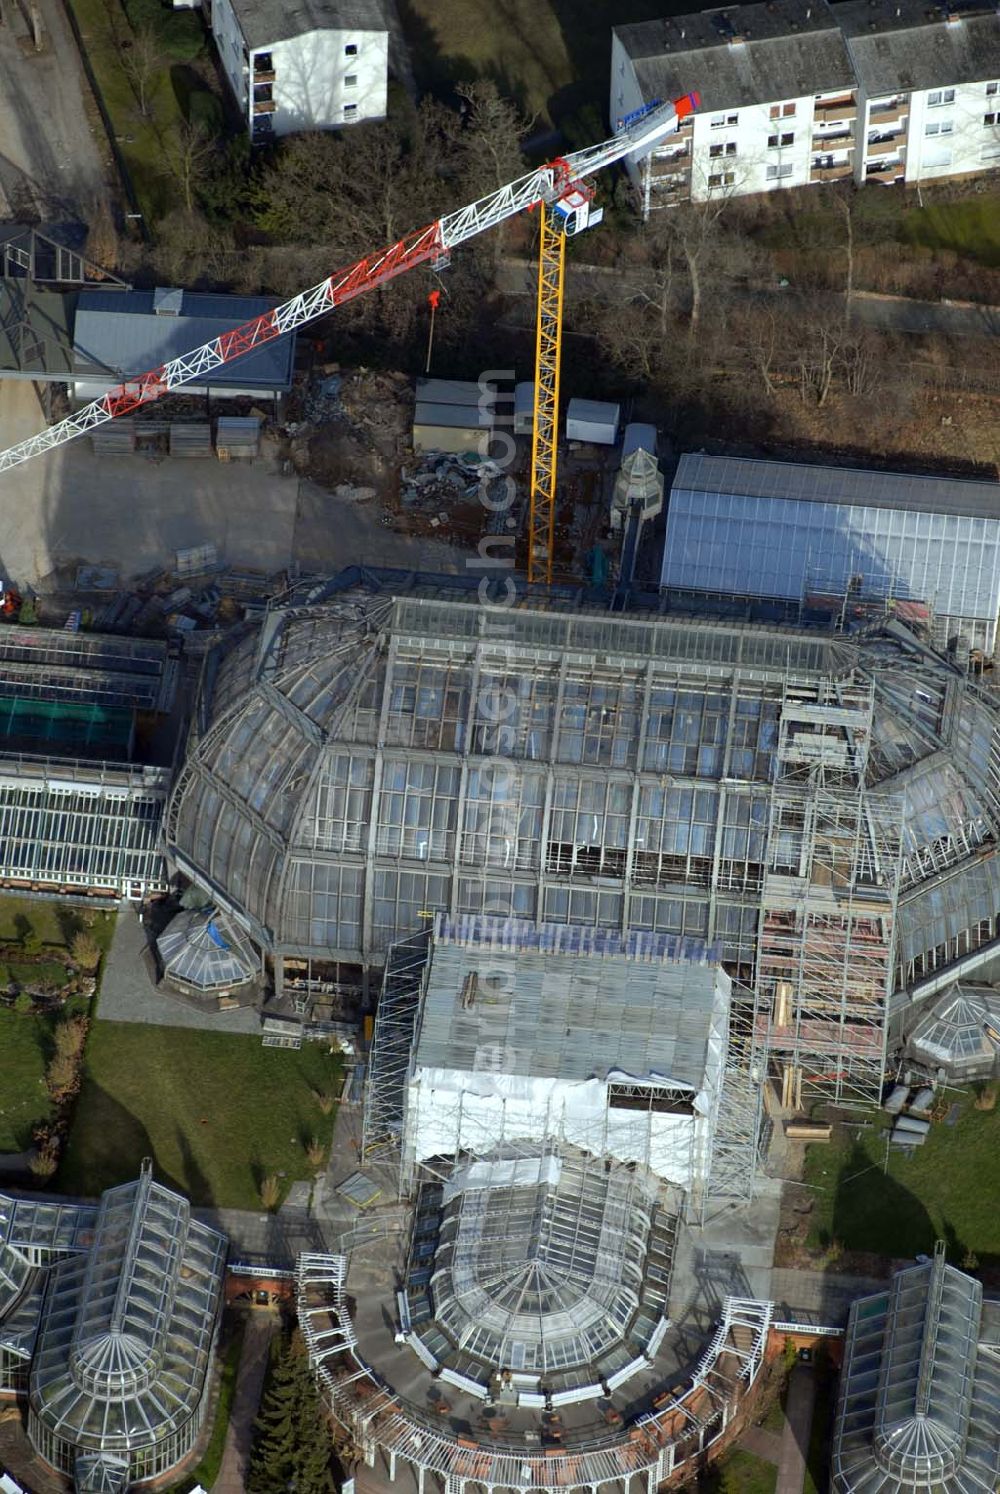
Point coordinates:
[(431, 243)]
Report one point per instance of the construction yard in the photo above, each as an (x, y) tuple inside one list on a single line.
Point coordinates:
[(129, 515)]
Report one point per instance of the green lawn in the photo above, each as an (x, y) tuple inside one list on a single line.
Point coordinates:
[(947, 1190), (743, 1473), (24, 1100), (216, 1113), (970, 227), (552, 56), (55, 923), (105, 29)]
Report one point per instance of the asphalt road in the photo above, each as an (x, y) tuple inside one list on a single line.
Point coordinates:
[(52, 165)]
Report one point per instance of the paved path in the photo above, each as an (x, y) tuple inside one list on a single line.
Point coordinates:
[(819, 1297), (128, 993), (260, 1329), (798, 1424), (762, 1443)]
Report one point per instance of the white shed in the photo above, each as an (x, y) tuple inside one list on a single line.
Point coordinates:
[(592, 420)]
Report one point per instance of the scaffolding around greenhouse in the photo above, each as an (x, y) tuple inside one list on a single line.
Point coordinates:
[(828, 904)]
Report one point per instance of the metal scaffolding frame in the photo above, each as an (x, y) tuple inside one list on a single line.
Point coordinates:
[(391, 1050), (825, 957)]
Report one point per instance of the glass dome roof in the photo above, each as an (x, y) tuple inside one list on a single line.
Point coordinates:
[(205, 950)]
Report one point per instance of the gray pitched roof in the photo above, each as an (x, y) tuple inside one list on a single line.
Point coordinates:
[(900, 45), (743, 55), (855, 487), (264, 22), (117, 333), (569, 1013)]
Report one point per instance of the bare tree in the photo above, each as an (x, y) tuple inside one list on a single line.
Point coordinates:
[(490, 145), (188, 148), (142, 63)]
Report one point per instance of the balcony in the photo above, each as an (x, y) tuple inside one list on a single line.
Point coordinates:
[(834, 140), (896, 114), (264, 106), (263, 75), (889, 169), (835, 109), (832, 173), (892, 146)]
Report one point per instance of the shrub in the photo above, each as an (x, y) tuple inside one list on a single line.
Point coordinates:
[(31, 942), (270, 1191), (44, 1158), (22, 1002), (61, 1075), (86, 951), (315, 1152), (324, 1101), (69, 1037), (205, 110)]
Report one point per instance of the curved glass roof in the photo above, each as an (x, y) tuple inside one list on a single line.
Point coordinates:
[(918, 1401), (207, 951), (342, 779), (960, 1030), (539, 1265), (126, 1331)]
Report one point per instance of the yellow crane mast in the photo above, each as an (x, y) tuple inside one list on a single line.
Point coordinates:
[(545, 438)]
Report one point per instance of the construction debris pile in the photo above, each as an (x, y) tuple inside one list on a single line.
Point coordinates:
[(349, 428)]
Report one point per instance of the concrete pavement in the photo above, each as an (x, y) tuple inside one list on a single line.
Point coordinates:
[(128, 993), (260, 1329), (798, 1425)]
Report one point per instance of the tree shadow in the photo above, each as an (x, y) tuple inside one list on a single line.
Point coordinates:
[(194, 1182), (106, 1146), (874, 1212)]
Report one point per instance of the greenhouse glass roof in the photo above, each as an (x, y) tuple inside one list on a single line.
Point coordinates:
[(205, 950), (959, 1030), (127, 1327), (918, 1398), (540, 1263), (341, 781)]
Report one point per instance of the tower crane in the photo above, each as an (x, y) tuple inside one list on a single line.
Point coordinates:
[(561, 190), (563, 216)]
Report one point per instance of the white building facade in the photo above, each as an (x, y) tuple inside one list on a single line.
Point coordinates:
[(798, 91), (313, 67)]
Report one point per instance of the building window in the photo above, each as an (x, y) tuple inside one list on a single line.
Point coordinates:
[(715, 150), (350, 110), (992, 89), (939, 127), (782, 111), (732, 119), (722, 179), (717, 121), (775, 173), (940, 96), (351, 80), (784, 139), (990, 119), (262, 63), (351, 50)]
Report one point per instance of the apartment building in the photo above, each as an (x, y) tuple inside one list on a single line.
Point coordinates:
[(802, 91), (303, 64), (928, 88)]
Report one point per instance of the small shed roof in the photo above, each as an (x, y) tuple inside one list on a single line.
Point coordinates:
[(119, 334), (203, 949), (455, 392)]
